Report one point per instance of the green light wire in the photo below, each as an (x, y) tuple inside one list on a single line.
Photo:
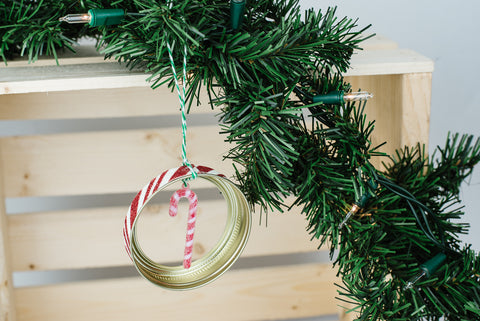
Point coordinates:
[(181, 98), (419, 214)]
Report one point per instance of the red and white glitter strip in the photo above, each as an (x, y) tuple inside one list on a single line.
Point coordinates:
[(149, 190), (192, 217)]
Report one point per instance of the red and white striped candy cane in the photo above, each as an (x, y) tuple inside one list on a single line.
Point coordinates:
[(149, 190), (192, 217)]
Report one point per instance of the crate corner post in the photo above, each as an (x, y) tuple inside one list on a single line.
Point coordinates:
[(7, 304)]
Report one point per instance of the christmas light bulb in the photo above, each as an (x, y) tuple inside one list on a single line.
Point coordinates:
[(340, 97), (361, 203), (414, 280), (76, 18), (96, 17), (354, 210), (426, 269), (357, 96)]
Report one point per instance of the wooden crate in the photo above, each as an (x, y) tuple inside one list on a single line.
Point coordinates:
[(84, 162)]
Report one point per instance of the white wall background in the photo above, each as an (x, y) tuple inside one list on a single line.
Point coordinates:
[(448, 34)]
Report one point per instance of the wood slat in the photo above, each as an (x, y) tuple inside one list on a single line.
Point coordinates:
[(416, 103), (120, 162), (94, 103), (84, 53), (82, 83), (388, 62), (245, 295), (93, 237), (114, 75), (386, 93), (408, 99), (104, 162), (7, 307)]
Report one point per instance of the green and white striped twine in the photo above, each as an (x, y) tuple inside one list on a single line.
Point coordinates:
[(181, 98)]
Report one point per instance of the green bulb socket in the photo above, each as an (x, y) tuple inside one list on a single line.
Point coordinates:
[(237, 9), (332, 98), (433, 264), (105, 17), (362, 202)]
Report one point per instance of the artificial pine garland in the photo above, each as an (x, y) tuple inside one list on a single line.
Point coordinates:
[(382, 226)]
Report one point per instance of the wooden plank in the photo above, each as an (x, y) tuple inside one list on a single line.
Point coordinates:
[(93, 238), (416, 102), (245, 295), (143, 101), (113, 75), (85, 53), (99, 70), (7, 303), (400, 108), (385, 108), (79, 83), (29, 159), (389, 62), (104, 162), (94, 103)]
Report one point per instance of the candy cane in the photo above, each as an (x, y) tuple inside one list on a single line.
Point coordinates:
[(192, 217), (149, 191)]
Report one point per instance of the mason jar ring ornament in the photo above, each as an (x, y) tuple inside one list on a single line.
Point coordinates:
[(213, 264)]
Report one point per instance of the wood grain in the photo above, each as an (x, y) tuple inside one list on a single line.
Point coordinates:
[(94, 103), (415, 109), (388, 62), (83, 76), (400, 108), (93, 237), (7, 303), (104, 162), (111, 162), (385, 109), (245, 295)]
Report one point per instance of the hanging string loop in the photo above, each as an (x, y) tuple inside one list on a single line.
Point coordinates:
[(181, 98)]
